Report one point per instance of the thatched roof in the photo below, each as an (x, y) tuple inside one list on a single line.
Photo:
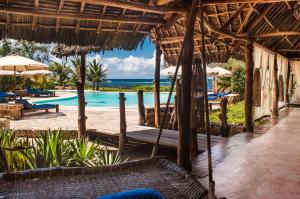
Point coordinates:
[(228, 26), (109, 24)]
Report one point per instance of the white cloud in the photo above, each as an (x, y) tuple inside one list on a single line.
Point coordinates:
[(130, 67)]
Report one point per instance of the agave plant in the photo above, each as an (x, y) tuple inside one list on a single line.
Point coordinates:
[(49, 150), (107, 158), (82, 152)]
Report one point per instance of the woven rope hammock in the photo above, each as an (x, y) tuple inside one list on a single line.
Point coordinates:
[(92, 182)]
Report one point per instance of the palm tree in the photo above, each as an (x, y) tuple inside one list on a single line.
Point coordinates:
[(61, 73), (75, 69), (95, 74)]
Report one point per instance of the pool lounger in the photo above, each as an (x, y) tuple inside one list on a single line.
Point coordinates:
[(28, 107)]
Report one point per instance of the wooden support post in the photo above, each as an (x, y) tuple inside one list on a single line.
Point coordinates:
[(249, 88), (287, 96), (123, 126), (141, 107), (81, 99), (194, 119), (175, 111), (185, 108), (223, 118), (157, 87), (275, 110)]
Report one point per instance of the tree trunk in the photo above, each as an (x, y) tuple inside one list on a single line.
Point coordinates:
[(249, 88), (81, 99), (185, 108), (157, 87), (141, 107), (275, 110), (123, 126)]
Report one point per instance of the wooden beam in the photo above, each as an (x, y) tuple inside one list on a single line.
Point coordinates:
[(253, 23), (212, 2), (275, 110), (34, 19), (278, 34), (223, 32), (61, 5), (82, 17), (288, 50), (157, 86), (160, 2), (78, 21), (186, 77), (229, 20), (135, 6), (249, 88)]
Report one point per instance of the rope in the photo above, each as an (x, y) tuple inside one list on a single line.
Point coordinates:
[(155, 147)]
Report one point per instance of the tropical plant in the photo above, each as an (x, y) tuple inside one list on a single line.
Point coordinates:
[(51, 149), (75, 69), (236, 83), (95, 73), (61, 73), (83, 151)]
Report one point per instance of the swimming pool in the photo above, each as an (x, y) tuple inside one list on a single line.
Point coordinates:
[(107, 99)]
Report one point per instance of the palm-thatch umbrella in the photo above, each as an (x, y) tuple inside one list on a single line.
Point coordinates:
[(19, 64)]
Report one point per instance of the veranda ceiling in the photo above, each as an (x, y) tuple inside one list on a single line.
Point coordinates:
[(109, 24)]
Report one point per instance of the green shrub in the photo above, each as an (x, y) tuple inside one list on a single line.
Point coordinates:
[(235, 114), (50, 149)]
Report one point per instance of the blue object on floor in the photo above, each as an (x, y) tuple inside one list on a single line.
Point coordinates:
[(3, 100), (212, 97), (28, 105), (5, 94), (142, 193), (34, 91)]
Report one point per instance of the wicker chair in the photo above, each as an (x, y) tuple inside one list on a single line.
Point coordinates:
[(92, 182)]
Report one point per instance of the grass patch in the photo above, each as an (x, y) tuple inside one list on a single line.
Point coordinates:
[(235, 114)]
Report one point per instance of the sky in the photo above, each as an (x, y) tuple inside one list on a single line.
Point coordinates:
[(135, 64)]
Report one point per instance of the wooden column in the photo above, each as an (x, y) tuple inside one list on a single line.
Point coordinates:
[(287, 96), (81, 99), (141, 107), (249, 88), (185, 109), (123, 126), (223, 117), (157, 87), (275, 110)]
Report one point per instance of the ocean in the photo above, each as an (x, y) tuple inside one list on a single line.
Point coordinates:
[(127, 83)]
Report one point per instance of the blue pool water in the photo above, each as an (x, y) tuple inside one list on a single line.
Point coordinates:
[(107, 99)]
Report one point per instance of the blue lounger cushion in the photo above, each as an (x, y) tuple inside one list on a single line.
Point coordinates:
[(3, 100), (5, 94), (37, 91), (212, 97), (28, 105), (142, 193)]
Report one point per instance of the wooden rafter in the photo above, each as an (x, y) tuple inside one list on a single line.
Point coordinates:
[(78, 21), (82, 17), (34, 19), (73, 27), (100, 22), (230, 19), (135, 6), (212, 2), (278, 34), (61, 5)]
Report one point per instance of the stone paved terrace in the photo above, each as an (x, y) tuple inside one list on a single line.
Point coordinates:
[(258, 166)]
